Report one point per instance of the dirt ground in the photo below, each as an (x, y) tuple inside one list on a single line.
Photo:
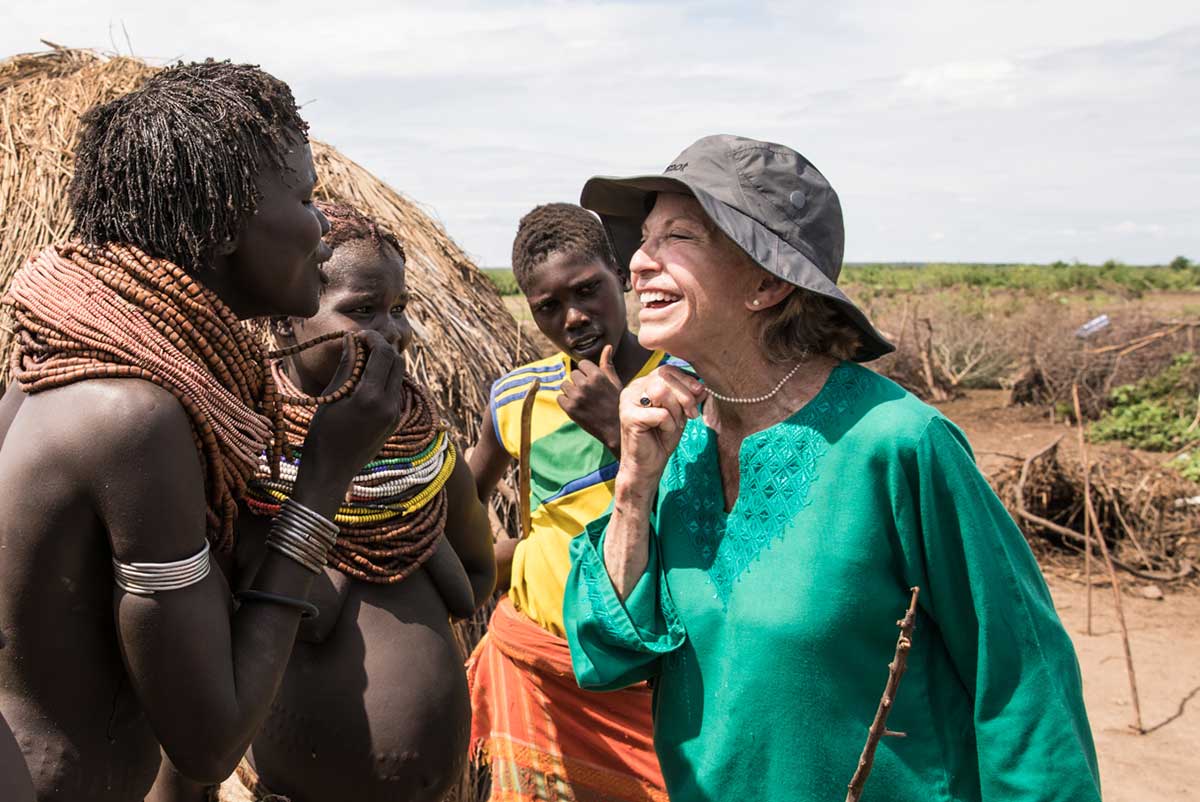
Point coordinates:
[(1163, 765)]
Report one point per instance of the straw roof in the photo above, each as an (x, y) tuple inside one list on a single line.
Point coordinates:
[(465, 336)]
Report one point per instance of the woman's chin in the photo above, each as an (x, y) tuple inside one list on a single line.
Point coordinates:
[(657, 337)]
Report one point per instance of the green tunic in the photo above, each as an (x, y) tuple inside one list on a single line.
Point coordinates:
[(768, 630)]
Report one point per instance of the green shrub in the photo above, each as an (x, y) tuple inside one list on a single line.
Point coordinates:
[(502, 277), (1155, 413)]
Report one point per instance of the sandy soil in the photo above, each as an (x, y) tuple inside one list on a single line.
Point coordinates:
[(1162, 765)]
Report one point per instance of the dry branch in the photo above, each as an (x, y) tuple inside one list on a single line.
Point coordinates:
[(1055, 481), (1090, 516), (878, 727), (1089, 521)]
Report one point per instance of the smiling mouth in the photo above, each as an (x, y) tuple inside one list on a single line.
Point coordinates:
[(657, 299)]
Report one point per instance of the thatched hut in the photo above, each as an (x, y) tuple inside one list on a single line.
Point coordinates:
[(465, 337)]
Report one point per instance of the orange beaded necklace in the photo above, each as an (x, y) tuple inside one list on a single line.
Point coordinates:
[(112, 311)]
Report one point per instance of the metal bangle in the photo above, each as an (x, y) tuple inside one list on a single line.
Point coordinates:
[(307, 609), (295, 509), (288, 550), (146, 579)]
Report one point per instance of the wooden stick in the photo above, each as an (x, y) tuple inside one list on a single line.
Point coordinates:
[(524, 482), (1090, 515), (1087, 519), (878, 727), (1112, 497)]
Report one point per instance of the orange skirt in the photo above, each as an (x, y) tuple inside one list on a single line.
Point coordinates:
[(545, 738)]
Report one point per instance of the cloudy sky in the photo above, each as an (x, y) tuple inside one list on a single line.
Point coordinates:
[(964, 130)]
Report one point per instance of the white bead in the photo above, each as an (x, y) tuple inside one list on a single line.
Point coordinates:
[(760, 398)]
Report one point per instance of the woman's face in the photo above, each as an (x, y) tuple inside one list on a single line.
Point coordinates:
[(691, 280), (366, 292), (274, 268)]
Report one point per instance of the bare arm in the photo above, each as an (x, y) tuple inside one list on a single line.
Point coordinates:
[(649, 434), (488, 463), (205, 678), (488, 460), (627, 539), (468, 531), (15, 783)]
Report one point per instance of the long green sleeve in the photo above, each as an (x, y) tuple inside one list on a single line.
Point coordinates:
[(994, 612), (615, 644)]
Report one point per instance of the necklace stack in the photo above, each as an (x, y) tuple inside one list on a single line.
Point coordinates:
[(395, 509), (112, 311)]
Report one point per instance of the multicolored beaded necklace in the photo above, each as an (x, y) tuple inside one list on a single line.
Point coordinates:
[(395, 509)]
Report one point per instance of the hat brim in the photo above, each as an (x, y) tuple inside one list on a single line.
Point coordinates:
[(624, 203)]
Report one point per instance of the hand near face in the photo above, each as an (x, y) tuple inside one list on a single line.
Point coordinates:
[(654, 411), (591, 397)]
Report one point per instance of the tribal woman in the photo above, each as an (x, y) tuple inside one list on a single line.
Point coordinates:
[(134, 422), (374, 705)]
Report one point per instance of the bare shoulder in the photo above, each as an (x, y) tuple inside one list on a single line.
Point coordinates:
[(127, 413), (129, 444)]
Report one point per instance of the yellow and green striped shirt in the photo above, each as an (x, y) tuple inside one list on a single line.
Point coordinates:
[(571, 481)]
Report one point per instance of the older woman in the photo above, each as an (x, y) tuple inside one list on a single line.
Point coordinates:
[(768, 523)]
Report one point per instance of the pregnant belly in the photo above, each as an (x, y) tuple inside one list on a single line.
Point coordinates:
[(379, 711)]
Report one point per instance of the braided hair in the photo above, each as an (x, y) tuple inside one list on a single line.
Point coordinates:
[(348, 224), (561, 228), (170, 167)]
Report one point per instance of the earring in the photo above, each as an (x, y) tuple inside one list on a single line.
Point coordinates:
[(754, 302)]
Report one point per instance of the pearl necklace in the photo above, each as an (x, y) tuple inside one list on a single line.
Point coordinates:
[(730, 399)]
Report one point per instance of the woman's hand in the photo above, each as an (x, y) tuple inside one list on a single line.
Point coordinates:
[(347, 434), (654, 410)]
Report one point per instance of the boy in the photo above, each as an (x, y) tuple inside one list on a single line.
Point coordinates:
[(537, 729)]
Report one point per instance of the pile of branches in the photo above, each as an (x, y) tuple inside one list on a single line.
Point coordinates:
[(944, 348), (1148, 514), (1125, 352)]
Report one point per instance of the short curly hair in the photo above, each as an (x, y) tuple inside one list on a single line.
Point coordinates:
[(171, 166), (348, 224), (561, 228)]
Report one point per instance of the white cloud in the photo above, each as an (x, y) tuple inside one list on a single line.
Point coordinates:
[(959, 81), (1129, 227), (1003, 124)]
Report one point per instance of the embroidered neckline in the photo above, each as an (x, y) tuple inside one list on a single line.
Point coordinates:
[(778, 468)]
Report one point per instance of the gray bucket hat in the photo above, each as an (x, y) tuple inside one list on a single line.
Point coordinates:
[(767, 198)]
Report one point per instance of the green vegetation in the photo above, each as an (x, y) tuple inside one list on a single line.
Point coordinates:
[(1181, 275), (1156, 413), (502, 277)]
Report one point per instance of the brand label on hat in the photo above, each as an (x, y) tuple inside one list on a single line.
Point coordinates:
[(676, 167)]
